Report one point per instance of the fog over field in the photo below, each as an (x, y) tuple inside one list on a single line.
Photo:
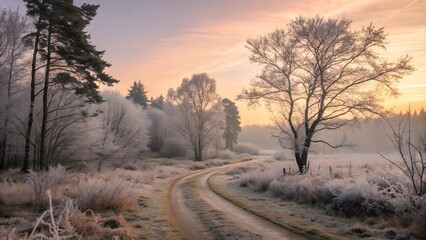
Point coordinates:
[(366, 136)]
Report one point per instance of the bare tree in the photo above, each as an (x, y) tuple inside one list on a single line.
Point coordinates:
[(66, 112), (195, 100), (412, 153), (12, 67), (317, 72)]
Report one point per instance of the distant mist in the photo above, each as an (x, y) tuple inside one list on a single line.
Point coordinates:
[(367, 135), (259, 135)]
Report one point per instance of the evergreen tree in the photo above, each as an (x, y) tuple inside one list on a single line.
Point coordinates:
[(137, 94), (158, 102), (68, 57), (232, 123)]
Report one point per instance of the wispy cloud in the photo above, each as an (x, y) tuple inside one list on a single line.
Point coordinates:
[(216, 44)]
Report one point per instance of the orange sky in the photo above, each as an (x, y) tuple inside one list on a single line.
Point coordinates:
[(160, 42)]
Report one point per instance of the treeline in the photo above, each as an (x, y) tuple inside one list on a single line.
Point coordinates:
[(52, 112), (364, 135), (191, 121)]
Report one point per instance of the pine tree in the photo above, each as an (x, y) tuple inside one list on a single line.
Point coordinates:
[(232, 123), (68, 57), (158, 102), (137, 94)]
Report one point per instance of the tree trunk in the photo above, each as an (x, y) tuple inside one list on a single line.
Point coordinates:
[(302, 158), (26, 164), (43, 151), (6, 121), (3, 148), (199, 149)]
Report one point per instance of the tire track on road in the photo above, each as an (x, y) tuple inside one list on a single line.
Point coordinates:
[(191, 226)]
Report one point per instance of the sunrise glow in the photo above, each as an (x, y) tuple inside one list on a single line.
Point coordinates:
[(160, 43)]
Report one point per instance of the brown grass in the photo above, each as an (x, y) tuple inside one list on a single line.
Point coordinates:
[(97, 194), (90, 226), (13, 194)]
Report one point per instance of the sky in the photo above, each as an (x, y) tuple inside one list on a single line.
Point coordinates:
[(160, 42)]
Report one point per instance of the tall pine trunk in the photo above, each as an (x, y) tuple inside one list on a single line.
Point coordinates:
[(26, 164), (43, 149)]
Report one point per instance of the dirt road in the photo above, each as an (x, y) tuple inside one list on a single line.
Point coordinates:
[(192, 227)]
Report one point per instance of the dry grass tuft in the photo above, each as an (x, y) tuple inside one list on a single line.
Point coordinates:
[(98, 194), (13, 194)]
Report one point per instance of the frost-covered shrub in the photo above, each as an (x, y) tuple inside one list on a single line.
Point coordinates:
[(99, 194), (302, 189), (248, 148), (173, 147), (257, 181), (43, 180), (282, 155), (363, 188), (226, 154), (238, 170), (354, 204)]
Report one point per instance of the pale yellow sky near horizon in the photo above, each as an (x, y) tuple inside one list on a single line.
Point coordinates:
[(160, 42)]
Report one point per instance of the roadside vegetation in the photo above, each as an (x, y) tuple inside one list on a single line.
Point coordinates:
[(363, 188), (119, 201)]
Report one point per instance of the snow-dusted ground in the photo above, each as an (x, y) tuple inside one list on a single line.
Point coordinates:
[(374, 194), (346, 185)]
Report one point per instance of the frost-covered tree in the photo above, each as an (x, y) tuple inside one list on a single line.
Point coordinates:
[(119, 129), (195, 100), (232, 123), (137, 94), (319, 70)]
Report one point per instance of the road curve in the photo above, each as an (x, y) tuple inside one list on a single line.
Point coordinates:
[(191, 227)]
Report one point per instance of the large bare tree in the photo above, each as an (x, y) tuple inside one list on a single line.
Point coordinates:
[(317, 72), (196, 101)]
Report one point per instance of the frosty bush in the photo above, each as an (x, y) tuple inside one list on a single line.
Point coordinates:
[(115, 194), (257, 181), (306, 190), (282, 155), (358, 197), (41, 181), (247, 148), (226, 154), (238, 170), (360, 190)]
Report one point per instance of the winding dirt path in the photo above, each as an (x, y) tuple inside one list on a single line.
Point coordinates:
[(191, 226)]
